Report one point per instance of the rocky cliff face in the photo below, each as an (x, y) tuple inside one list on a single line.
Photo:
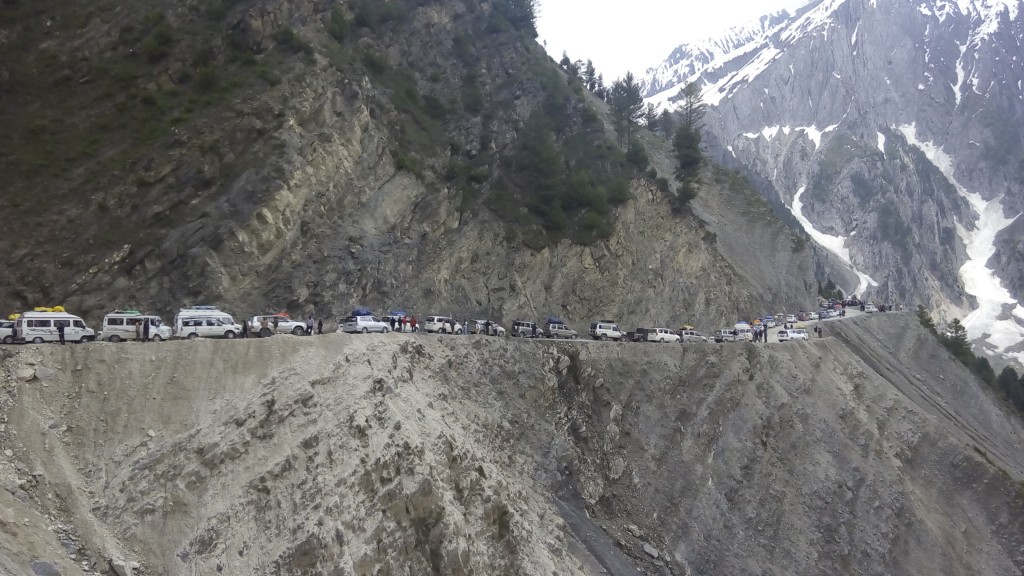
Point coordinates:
[(884, 128), (304, 156)]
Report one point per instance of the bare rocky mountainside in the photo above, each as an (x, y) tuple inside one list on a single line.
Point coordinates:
[(304, 155), (888, 131), (871, 451)]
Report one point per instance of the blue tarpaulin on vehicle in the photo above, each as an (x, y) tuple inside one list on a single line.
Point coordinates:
[(555, 320), (397, 313), (362, 312)]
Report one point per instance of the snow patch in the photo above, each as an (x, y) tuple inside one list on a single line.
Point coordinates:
[(988, 322), (834, 244), (731, 151), (961, 74), (881, 142), (812, 132), (853, 38)]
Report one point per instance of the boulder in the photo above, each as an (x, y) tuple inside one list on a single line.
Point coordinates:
[(121, 567), (650, 550), (24, 373), (43, 373), (40, 568)]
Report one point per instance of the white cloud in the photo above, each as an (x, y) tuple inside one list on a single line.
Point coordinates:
[(634, 35)]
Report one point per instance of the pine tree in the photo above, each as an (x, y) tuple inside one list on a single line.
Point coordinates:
[(686, 144), (692, 107), (1008, 383), (565, 62), (651, 118), (956, 342), (601, 90), (521, 14), (667, 124), (590, 76), (925, 318), (1018, 397), (983, 369), (627, 104)]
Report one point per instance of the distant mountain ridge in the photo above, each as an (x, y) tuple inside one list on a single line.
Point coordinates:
[(885, 128), (685, 61)]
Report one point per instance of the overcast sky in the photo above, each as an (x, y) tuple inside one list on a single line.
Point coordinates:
[(633, 35)]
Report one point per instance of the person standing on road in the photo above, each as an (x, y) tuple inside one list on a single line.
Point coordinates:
[(391, 320), (60, 331), (320, 326), (245, 329), (309, 325), (412, 321), (145, 330)]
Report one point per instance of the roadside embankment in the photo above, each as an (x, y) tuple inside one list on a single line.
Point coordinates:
[(456, 455)]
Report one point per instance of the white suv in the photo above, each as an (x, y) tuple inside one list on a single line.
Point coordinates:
[(792, 334), (277, 324), (363, 325), (442, 324), (662, 335), (209, 327), (605, 330), (692, 336), (526, 329)]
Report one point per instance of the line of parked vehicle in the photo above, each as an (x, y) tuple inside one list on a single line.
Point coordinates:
[(45, 325)]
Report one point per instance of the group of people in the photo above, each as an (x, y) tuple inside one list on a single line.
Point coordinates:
[(402, 323)]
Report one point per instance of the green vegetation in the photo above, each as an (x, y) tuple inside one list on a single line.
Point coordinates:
[(1007, 384), (567, 180), (830, 290), (75, 120), (338, 27), (686, 145), (520, 15)]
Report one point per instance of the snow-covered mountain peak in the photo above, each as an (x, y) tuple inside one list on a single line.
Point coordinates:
[(985, 14), (687, 60)]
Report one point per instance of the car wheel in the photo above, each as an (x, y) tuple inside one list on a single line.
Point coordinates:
[(83, 340), (458, 332), (574, 336), (384, 330), (604, 337), (298, 331), (230, 335), (115, 339), (364, 331), (661, 340), (8, 339), (193, 336), (265, 333), (157, 339), (37, 340)]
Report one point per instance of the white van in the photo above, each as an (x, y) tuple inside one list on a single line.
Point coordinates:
[(205, 322), (39, 327), (743, 332), (661, 335), (7, 331), (127, 325)]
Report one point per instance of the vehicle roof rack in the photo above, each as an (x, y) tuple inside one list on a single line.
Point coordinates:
[(127, 312), (607, 321)]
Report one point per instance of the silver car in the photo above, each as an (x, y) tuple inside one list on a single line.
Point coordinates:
[(364, 325)]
